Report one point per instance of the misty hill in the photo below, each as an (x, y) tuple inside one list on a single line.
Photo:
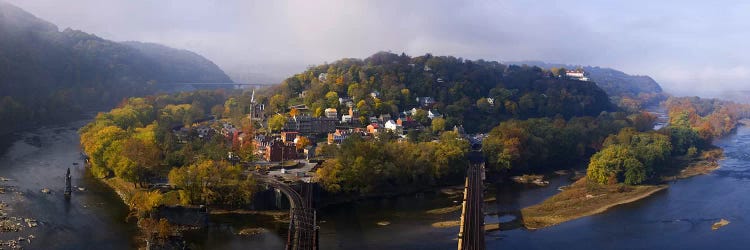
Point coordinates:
[(614, 82), (47, 75), (177, 65), (460, 90)]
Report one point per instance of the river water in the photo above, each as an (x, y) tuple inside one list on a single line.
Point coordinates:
[(91, 219), (677, 218)]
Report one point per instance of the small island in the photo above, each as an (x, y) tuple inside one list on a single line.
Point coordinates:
[(634, 165), (583, 199)]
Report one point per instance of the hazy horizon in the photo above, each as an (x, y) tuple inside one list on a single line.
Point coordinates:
[(690, 48)]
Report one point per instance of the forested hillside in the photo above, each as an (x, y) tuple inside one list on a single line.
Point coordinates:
[(47, 75), (476, 94), (614, 82)]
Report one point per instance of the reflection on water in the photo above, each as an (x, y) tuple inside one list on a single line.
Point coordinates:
[(679, 218)]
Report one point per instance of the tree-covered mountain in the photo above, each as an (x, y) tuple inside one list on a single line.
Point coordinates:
[(614, 82), (178, 65), (476, 94), (47, 75)]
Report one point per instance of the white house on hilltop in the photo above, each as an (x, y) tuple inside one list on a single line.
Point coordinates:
[(577, 74)]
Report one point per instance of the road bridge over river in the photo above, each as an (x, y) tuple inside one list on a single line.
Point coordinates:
[(218, 85)]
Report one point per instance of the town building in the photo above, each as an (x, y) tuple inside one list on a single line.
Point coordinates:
[(425, 101), (407, 122), (375, 94), (278, 151), (394, 127), (307, 125), (337, 137), (346, 101), (384, 117), (373, 128), (258, 112), (331, 113), (346, 118), (373, 119), (432, 114), (203, 131), (262, 141), (288, 136)]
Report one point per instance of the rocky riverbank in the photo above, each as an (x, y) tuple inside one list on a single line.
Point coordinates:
[(13, 229)]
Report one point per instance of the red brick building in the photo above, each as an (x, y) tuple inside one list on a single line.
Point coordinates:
[(278, 151), (289, 136)]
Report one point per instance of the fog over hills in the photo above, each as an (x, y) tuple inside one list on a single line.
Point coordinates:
[(47, 74), (613, 81), (691, 48)]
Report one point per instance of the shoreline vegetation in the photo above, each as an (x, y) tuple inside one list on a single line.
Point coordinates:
[(584, 198), (581, 198)]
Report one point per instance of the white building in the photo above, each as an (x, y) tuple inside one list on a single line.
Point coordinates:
[(491, 101), (393, 126), (346, 118), (576, 75), (331, 113)]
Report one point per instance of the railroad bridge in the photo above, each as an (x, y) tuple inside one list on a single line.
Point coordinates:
[(471, 231), (303, 228)]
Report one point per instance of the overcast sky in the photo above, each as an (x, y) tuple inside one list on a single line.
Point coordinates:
[(690, 47)]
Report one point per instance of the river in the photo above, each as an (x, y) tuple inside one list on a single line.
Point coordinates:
[(677, 218), (91, 219)]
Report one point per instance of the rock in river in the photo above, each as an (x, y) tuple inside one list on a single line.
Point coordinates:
[(720, 224)]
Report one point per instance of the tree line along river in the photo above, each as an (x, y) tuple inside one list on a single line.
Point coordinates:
[(94, 218)]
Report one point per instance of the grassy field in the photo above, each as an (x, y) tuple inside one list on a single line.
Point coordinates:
[(583, 199)]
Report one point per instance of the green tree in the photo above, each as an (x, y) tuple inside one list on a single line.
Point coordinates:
[(332, 99), (616, 163), (277, 104), (277, 122), (438, 125), (421, 117)]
